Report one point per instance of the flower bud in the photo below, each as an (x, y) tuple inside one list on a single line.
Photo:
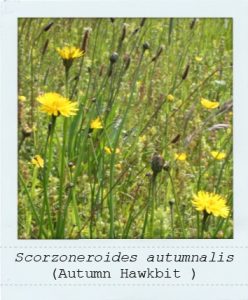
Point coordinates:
[(146, 46), (171, 202), (113, 58), (186, 71), (160, 50), (127, 60), (45, 47), (48, 26), (142, 23)]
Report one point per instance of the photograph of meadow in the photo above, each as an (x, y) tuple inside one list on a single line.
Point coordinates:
[(125, 128)]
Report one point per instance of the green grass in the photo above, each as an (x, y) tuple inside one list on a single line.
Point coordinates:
[(84, 192)]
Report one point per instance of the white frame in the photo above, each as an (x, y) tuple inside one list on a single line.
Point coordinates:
[(237, 285)]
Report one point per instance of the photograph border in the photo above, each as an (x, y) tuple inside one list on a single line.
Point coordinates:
[(12, 10)]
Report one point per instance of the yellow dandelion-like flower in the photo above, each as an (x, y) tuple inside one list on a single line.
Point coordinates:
[(211, 203), (180, 156), (55, 104), (38, 161), (69, 53), (22, 98), (209, 104), (218, 155), (109, 150), (170, 97), (198, 58), (96, 124)]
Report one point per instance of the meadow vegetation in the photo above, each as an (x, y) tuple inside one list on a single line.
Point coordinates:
[(125, 128)]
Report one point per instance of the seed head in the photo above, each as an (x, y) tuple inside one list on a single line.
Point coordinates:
[(186, 72), (157, 164)]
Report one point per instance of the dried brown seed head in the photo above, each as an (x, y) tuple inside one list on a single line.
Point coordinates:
[(157, 164)]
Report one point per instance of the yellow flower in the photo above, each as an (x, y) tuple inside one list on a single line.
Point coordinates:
[(211, 203), (153, 130), (55, 104), (70, 53), (118, 167), (22, 98), (198, 58), (180, 156), (138, 84), (38, 161), (96, 124), (209, 104), (170, 97), (107, 150), (117, 150), (218, 155), (110, 150), (142, 139)]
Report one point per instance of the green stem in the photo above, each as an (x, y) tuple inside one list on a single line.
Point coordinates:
[(177, 205), (32, 196), (37, 219), (62, 177), (59, 229), (172, 220), (47, 170), (153, 187), (147, 211), (204, 223), (112, 162), (198, 225)]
